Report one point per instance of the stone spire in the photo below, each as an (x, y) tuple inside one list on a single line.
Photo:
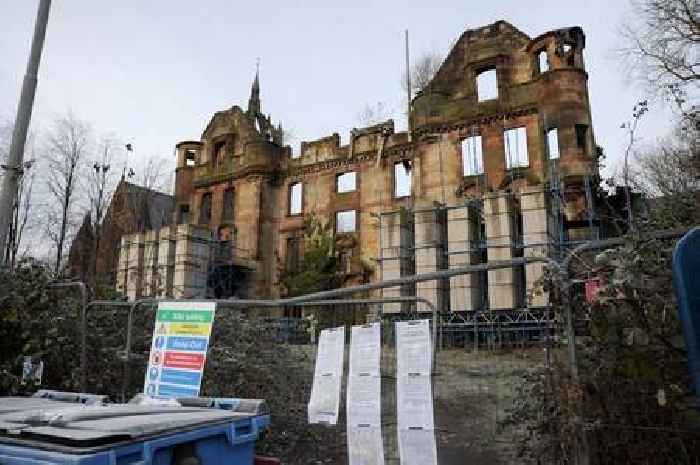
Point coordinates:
[(254, 107)]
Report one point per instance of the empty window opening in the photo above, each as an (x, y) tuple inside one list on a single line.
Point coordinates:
[(345, 221), (295, 193), (346, 182), (295, 155), (567, 48), (402, 178), (543, 61), (228, 210), (190, 158), (581, 135), (472, 156), (205, 209), (553, 143), (515, 141), (487, 85), (219, 152), (183, 214)]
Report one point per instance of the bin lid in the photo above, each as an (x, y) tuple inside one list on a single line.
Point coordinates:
[(43, 421)]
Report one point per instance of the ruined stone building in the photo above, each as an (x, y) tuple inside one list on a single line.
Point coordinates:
[(496, 165)]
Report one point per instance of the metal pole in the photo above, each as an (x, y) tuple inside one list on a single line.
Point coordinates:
[(24, 114), (408, 90)]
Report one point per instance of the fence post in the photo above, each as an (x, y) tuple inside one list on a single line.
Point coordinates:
[(686, 279)]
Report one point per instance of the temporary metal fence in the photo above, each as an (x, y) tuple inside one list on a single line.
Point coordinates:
[(279, 357)]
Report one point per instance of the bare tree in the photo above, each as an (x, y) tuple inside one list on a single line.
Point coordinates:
[(662, 43), (66, 145), (21, 213), (668, 167), (373, 114), (424, 69), (630, 126), (22, 207), (101, 183)]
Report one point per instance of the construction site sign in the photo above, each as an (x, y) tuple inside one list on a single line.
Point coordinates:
[(325, 393), (179, 349)]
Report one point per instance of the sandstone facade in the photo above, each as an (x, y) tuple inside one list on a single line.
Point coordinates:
[(472, 181)]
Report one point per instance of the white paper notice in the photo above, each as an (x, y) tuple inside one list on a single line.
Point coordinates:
[(414, 395), (414, 402), (417, 447), (365, 445), (413, 353), (325, 393)]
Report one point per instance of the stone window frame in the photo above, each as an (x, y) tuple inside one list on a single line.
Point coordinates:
[(290, 189), (200, 218), (538, 60), (228, 140), (462, 157), (506, 151), (394, 186), (354, 221), (183, 213), (547, 144), (484, 68), (224, 218), (190, 157), (337, 182), (581, 132)]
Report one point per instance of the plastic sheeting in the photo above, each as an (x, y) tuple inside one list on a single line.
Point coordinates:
[(328, 373), (365, 445), (415, 419)]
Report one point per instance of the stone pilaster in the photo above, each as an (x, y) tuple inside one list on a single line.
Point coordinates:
[(192, 252), (428, 254), (167, 237), (134, 284), (463, 250), (151, 277), (499, 219), (537, 239), (395, 253)]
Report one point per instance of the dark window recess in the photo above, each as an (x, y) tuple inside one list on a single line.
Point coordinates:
[(581, 135), (346, 261), (190, 158), (205, 209), (293, 254), (219, 152), (183, 214), (227, 214)]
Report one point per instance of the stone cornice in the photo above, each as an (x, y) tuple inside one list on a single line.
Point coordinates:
[(357, 159), (457, 125)]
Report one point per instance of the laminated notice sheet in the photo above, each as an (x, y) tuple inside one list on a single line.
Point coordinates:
[(417, 447), (414, 395), (328, 372), (414, 350), (365, 445)]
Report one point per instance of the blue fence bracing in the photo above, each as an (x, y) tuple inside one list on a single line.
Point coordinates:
[(686, 277)]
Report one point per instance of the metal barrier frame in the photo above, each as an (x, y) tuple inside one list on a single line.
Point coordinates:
[(322, 298)]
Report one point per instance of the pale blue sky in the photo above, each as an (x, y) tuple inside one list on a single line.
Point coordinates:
[(154, 72)]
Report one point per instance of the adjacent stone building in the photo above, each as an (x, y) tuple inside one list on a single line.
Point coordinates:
[(133, 209), (496, 165)]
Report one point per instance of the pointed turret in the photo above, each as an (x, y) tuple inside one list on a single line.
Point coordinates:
[(254, 107)]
